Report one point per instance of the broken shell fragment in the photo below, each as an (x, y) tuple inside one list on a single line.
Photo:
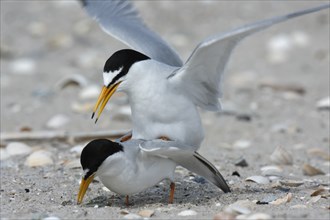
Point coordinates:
[(146, 213), (311, 171), (258, 179), (281, 156), (271, 171), (39, 158), (285, 199), (291, 183)]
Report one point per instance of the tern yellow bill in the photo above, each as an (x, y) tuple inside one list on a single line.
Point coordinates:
[(83, 187), (103, 99)]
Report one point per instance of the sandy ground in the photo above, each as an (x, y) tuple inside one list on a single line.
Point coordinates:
[(272, 86)]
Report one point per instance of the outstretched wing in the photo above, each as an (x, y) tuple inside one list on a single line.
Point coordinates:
[(121, 20), (200, 77), (184, 156)]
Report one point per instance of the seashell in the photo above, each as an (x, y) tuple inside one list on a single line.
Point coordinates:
[(321, 191), (258, 179), (323, 104), (271, 171), (77, 149), (240, 207), (224, 216), (314, 199), (311, 171), (51, 218), (39, 158), (146, 213), (300, 39), (89, 92), (18, 148), (278, 47), (189, 212), (318, 152), (3, 154), (73, 164), (291, 183), (82, 108), (71, 80), (57, 121), (132, 216), (255, 216), (242, 144), (37, 29), (60, 41), (285, 199), (281, 156), (23, 66)]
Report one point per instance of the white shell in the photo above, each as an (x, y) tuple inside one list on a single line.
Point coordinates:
[(57, 121), (323, 104), (187, 213), (90, 92), (258, 179), (242, 144), (240, 207), (18, 148), (39, 158), (291, 183), (23, 66), (271, 171)]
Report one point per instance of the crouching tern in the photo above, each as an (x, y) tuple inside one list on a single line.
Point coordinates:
[(162, 91), (130, 167)]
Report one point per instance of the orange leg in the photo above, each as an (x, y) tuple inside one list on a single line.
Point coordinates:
[(127, 201), (125, 138), (172, 186)]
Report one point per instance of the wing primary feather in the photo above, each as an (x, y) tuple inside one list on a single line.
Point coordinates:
[(200, 77), (218, 178)]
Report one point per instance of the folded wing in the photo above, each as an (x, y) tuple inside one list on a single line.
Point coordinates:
[(121, 20), (184, 156)]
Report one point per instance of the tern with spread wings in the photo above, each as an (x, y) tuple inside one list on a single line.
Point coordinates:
[(164, 94)]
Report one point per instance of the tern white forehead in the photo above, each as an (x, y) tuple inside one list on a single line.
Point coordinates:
[(118, 65)]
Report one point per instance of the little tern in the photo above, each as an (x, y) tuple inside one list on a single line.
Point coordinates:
[(130, 167), (163, 92)]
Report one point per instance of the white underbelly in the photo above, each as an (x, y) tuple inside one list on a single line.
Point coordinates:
[(174, 123)]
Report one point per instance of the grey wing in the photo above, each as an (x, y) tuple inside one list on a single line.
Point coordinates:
[(200, 77), (184, 156), (121, 20)]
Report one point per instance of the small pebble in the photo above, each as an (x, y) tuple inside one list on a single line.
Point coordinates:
[(323, 104), (77, 149), (241, 163), (187, 213), (39, 158), (18, 148)]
